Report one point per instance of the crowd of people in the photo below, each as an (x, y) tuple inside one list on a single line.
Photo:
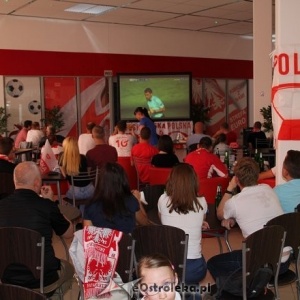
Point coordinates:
[(114, 205)]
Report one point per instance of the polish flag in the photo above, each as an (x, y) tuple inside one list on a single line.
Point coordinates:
[(48, 160)]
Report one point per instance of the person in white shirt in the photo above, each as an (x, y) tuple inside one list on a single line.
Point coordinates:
[(252, 208), (181, 207), (35, 134), (121, 141), (85, 140)]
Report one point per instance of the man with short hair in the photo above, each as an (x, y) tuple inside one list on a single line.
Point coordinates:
[(155, 105), (85, 140), (121, 141), (197, 135), (25, 208), (256, 134), (143, 151), (101, 153), (21, 136), (252, 208), (205, 163), (289, 192), (231, 136), (7, 155)]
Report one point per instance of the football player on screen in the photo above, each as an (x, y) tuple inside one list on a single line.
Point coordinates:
[(156, 107)]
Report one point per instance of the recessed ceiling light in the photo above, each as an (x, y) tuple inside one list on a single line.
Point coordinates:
[(90, 9)]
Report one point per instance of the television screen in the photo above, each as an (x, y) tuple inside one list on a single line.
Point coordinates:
[(166, 96)]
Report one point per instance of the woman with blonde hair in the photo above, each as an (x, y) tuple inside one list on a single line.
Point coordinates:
[(181, 207), (72, 163)]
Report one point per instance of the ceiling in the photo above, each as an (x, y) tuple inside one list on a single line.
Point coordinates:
[(215, 16)]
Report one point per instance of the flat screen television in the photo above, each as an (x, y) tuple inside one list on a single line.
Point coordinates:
[(171, 91)]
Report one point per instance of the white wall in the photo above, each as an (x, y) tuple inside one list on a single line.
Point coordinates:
[(21, 33)]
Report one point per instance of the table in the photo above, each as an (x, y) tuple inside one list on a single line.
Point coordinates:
[(27, 152), (46, 178)]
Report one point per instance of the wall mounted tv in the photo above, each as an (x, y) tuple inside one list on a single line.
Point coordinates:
[(172, 92)]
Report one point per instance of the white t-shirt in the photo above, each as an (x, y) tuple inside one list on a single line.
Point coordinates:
[(253, 207), (34, 136), (123, 143), (85, 143), (191, 223)]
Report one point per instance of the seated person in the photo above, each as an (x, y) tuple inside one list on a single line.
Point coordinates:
[(231, 136), (289, 192), (26, 208), (7, 155), (221, 145), (166, 157), (143, 153), (122, 141), (198, 134), (256, 134), (51, 134), (205, 163), (34, 135), (252, 208)]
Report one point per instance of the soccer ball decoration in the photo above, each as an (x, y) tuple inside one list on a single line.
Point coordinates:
[(15, 88), (34, 107)]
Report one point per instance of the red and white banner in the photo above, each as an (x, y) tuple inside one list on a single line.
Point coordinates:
[(48, 160), (286, 92)]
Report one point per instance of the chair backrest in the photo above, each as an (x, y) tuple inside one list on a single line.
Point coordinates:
[(208, 187), (158, 175), (7, 185), (90, 176), (164, 239), (130, 170), (261, 248), (291, 224), (126, 257), (22, 246), (142, 166), (9, 291)]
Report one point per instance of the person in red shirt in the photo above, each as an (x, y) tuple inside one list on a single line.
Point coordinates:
[(21, 137), (231, 136), (205, 163), (142, 154)]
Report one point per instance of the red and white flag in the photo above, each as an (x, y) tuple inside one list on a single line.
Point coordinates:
[(48, 160)]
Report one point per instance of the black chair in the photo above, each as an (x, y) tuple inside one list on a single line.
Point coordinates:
[(291, 223), (7, 185), (164, 239), (13, 292), (216, 229), (26, 247), (261, 249)]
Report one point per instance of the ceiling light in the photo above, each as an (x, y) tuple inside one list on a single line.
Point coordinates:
[(89, 9)]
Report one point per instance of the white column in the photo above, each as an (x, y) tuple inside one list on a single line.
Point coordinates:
[(262, 64)]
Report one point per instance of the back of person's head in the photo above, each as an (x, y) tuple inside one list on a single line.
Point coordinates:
[(142, 110), (52, 139), (6, 145), (35, 125), (182, 188), (148, 90), (257, 125), (198, 127), (50, 130), (221, 138), (145, 133), (247, 171), (122, 125), (153, 261), (224, 125), (26, 174), (165, 144), (70, 159), (111, 189), (27, 123), (205, 142), (292, 163), (98, 132), (90, 126)]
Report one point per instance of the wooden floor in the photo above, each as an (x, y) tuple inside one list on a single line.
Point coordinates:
[(210, 248)]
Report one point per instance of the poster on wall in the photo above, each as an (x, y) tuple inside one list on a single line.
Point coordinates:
[(237, 105), (94, 95), (22, 100), (215, 99)]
